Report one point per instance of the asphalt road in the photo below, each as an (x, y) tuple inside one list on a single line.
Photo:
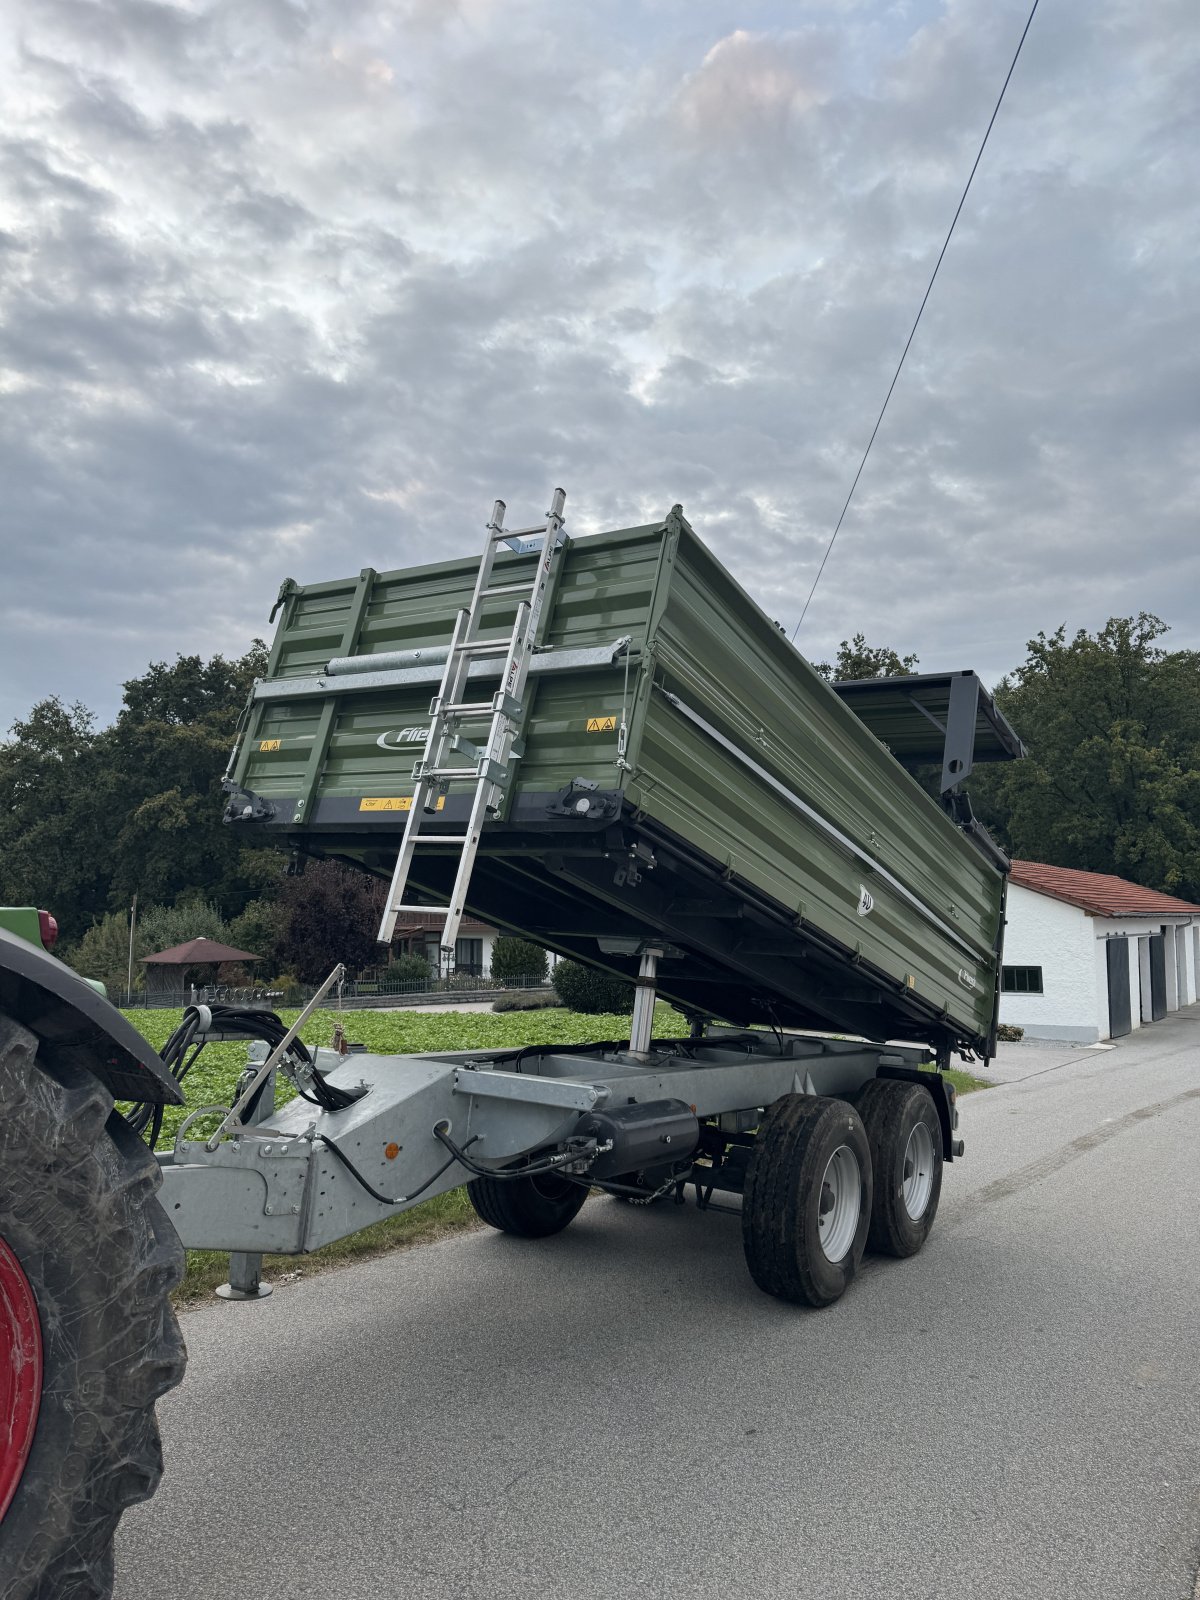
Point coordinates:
[(617, 1411)]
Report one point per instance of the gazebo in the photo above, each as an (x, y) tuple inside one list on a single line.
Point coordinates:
[(167, 972)]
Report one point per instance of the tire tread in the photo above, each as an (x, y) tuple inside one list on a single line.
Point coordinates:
[(78, 1187)]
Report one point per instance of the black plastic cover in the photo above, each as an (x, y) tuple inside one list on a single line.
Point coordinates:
[(653, 1134), (73, 1023)]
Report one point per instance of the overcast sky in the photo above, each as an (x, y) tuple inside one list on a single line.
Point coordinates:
[(288, 288)]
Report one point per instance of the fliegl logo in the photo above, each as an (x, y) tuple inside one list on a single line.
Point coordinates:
[(967, 979), (399, 737)]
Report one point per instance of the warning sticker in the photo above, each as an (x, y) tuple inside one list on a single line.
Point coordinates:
[(402, 802), (269, 744), (602, 724)]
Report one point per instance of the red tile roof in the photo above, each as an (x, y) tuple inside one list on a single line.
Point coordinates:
[(1099, 893), (419, 921)]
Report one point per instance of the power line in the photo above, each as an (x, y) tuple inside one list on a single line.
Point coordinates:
[(920, 312)]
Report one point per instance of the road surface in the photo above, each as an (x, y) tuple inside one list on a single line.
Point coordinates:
[(617, 1411)]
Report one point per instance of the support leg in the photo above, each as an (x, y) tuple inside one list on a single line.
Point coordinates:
[(244, 1281)]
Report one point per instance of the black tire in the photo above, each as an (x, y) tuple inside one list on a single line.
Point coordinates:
[(77, 1209), (531, 1208), (891, 1110), (785, 1197)]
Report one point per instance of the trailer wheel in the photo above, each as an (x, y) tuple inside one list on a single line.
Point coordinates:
[(88, 1340), (806, 1206), (906, 1152), (531, 1208)]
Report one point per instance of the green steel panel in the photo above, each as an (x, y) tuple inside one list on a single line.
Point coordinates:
[(923, 916)]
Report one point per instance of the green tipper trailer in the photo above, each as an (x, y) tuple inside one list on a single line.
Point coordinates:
[(687, 777), (618, 755)]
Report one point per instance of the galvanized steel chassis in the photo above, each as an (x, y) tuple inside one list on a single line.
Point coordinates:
[(278, 1187)]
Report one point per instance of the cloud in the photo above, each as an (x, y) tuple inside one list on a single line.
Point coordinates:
[(295, 289)]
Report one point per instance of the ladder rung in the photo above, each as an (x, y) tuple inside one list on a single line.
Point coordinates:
[(484, 647), (517, 533), (450, 772), (505, 588), (501, 704), (443, 838)]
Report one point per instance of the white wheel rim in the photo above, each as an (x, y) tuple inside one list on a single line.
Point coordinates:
[(840, 1204), (918, 1171)]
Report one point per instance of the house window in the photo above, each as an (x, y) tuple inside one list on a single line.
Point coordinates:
[(468, 956), (1021, 980)]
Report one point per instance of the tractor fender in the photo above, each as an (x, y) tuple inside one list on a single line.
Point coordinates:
[(75, 1025)]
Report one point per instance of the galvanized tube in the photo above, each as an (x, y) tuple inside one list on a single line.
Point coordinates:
[(388, 660)]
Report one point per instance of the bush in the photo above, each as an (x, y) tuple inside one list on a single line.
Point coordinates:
[(410, 969), (1007, 1033), (581, 988), (529, 1001), (516, 961)]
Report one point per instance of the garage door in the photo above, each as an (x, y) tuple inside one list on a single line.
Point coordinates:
[(1119, 1018), (1158, 977)]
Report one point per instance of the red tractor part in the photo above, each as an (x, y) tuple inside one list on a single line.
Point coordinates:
[(20, 1373)]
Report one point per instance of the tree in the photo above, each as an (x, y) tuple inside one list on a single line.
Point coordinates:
[(164, 927), (517, 961), (262, 929), (857, 659), (51, 833), (1112, 782), (333, 914), (161, 765), (103, 953), (87, 818)]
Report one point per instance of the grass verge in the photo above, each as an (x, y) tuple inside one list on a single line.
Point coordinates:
[(966, 1082)]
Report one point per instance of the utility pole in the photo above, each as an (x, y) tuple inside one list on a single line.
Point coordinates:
[(132, 926)]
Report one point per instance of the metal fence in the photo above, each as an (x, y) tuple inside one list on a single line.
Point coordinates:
[(381, 994)]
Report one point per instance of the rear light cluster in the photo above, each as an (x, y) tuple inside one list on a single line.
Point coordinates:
[(48, 928)]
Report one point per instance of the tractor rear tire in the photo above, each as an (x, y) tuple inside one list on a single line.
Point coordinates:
[(98, 1259), (530, 1208), (806, 1205)]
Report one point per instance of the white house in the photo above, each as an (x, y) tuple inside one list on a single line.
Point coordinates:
[(1088, 956), (419, 933)]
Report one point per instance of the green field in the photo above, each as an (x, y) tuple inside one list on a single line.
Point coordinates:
[(211, 1082)]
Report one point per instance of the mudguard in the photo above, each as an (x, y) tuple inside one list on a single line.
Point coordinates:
[(75, 1025)]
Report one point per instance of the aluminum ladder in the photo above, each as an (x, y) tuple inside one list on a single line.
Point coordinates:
[(449, 756)]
